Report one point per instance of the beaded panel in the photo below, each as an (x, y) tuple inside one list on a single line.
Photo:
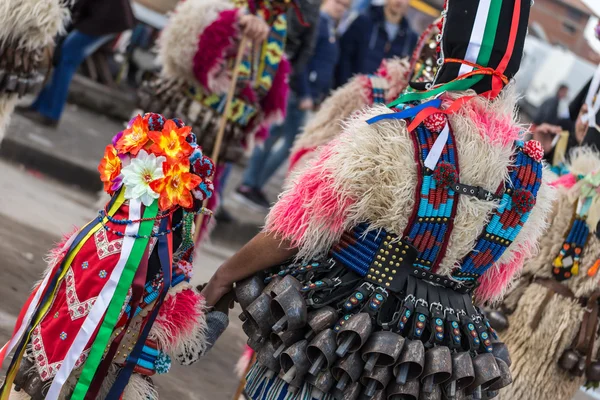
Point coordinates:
[(378, 89), (431, 226), (357, 249), (525, 178)]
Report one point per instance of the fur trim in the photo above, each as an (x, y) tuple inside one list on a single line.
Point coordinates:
[(395, 71), (32, 24), (357, 179), (181, 322), (7, 106), (213, 45), (242, 365), (341, 104), (139, 388), (583, 160), (274, 103), (178, 42)]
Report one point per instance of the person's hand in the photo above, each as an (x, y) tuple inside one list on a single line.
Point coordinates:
[(226, 303), (545, 133), (306, 104), (581, 127), (214, 290), (253, 27)]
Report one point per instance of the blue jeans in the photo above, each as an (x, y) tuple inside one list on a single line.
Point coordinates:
[(265, 162), (75, 48)]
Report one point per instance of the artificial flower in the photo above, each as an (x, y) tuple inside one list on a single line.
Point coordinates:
[(134, 138), (171, 142), (109, 168), (140, 174), (175, 188)]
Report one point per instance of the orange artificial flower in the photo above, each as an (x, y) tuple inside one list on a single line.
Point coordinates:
[(109, 168), (135, 138), (171, 142), (175, 187)]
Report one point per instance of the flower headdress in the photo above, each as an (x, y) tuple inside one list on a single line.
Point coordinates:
[(158, 159)]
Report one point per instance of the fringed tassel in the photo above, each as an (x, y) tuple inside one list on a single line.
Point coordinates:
[(181, 324), (242, 365)]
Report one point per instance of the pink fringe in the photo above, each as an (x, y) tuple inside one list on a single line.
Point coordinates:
[(57, 252), (242, 365), (498, 129), (275, 102), (313, 198), (494, 282), (297, 156), (179, 315), (213, 43), (566, 181)]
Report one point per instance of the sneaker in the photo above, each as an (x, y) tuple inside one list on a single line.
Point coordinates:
[(263, 199), (224, 216), (37, 117), (249, 197)]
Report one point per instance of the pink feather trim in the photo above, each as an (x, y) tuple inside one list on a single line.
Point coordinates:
[(58, 251), (275, 102), (499, 129), (242, 365), (566, 181), (179, 315), (213, 44), (313, 199), (297, 156), (495, 281)]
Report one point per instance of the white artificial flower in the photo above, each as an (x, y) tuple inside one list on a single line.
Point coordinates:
[(142, 170)]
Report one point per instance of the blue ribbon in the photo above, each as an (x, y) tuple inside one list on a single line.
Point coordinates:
[(165, 262), (406, 113)]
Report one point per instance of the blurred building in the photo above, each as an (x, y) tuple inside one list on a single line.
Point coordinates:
[(562, 23)]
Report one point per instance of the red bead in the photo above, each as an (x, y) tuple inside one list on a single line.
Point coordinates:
[(353, 300), (420, 325), (456, 332), (439, 329), (534, 149), (473, 333), (435, 122)]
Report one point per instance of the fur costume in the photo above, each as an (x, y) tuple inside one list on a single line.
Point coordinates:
[(115, 303), (27, 32), (543, 323), (417, 210), (361, 91), (197, 51)]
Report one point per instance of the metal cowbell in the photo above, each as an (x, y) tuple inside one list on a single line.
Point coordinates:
[(437, 368), (248, 290), (321, 383), (375, 380), (500, 350), (294, 362), (505, 376), (412, 360), (463, 374), (258, 318), (288, 308), (354, 333), (351, 392), (320, 320), (382, 349), (487, 372), (321, 352), (347, 370), (264, 356), (283, 340), (409, 391)]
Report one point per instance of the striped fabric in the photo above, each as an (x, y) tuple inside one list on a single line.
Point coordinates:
[(260, 387)]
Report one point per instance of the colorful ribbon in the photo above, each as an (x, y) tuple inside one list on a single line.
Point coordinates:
[(115, 292), (165, 255), (55, 277)]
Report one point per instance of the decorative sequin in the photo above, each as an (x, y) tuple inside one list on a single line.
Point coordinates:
[(102, 274)]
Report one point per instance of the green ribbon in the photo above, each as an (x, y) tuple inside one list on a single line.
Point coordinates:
[(483, 59), (591, 185), (116, 304)]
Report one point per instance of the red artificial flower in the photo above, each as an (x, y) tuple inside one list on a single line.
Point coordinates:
[(134, 138), (109, 167), (171, 142), (176, 186)]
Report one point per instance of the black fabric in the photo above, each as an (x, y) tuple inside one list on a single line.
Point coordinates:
[(102, 17), (154, 267), (300, 41), (457, 31), (592, 139)]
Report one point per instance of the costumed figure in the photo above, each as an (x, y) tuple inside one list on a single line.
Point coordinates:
[(197, 51), (552, 314), (365, 90), (115, 303), (414, 214), (27, 32)]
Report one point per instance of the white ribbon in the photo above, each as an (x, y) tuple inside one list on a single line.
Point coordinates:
[(483, 9), (592, 101), (100, 306), (33, 306), (438, 147)]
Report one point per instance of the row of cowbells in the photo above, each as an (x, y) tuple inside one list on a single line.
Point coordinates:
[(20, 71), (354, 359)]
